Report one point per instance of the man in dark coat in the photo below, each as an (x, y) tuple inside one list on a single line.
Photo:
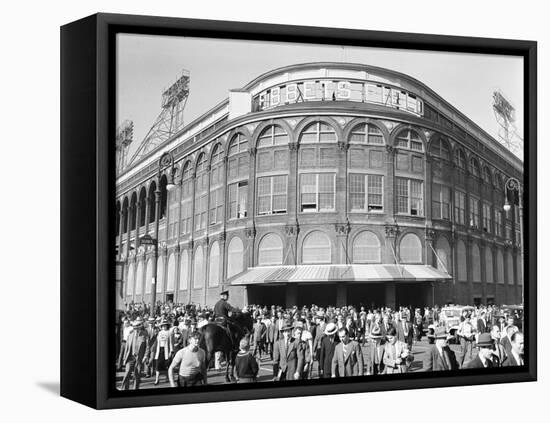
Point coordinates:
[(135, 354), (348, 357), (515, 357), (440, 356), (405, 330), (326, 350), (484, 358), (288, 356), (222, 308), (258, 336), (272, 335)]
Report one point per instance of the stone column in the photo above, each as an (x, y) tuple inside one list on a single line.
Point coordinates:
[(291, 254), (293, 200), (121, 216), (138, 217), (341, 205), (128, 226), (343, 256), (389, 184)]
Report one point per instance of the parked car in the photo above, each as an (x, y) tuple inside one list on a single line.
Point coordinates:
[(449, 317)]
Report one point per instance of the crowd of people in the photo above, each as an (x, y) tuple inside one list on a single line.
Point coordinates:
[(311, 342)]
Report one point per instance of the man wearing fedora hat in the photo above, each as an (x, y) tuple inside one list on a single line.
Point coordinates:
[(375, 350), (326, 350), (288, 356), (440, 356), (484, 357), (135, 355)]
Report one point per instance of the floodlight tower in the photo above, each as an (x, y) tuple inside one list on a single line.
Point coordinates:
[(124, 137), (505, 114), (170, 119)]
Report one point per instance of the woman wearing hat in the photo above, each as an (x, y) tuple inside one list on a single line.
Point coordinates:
[(163, 350)]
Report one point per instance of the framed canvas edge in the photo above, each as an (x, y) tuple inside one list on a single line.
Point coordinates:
[(107, 23)]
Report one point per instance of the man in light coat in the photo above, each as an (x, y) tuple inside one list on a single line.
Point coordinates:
[(397, 357), (135, 354)]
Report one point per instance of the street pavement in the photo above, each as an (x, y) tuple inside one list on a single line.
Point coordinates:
[(217, 377)]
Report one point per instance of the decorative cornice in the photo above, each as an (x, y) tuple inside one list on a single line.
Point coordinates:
[(293, 146), (342, 229), (252, 151), (292, 230), (250, 232), (430, 234), (343, 146), (390, 149), (391, 231)]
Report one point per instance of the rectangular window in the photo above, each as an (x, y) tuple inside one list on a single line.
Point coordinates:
[(307, 157), (357, 192), (272, 194), (280, 159), (375, 190), (417, 164), (402, 161), (410, 196), (238, 197), (216, 205), (487, 217), (317, 192), (474, 212), (327, 157), (357, 158), (509, 231), (441, 202), (376, 159), (460, 208), (265, 161)]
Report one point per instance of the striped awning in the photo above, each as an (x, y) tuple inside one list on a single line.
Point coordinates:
[(335, 273)]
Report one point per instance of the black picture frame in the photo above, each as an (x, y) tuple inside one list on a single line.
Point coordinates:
[(87, 211)]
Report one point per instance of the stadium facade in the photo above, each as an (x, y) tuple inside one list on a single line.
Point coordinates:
[(325, 183)]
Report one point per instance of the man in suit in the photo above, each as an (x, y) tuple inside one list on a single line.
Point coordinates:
[(385, 326), (440, 356), (135, 355), (288, 356), (405, 331), (272, 335), (397, 357), (258, 336), (515, 358), (348, 357), (484, 358), (481, 323), (499, 353), (375, 351), (326, 350)]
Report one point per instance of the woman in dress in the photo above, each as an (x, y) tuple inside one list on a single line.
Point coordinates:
[(163, 350)]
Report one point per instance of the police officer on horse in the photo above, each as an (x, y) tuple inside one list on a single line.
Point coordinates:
[(221, 312)]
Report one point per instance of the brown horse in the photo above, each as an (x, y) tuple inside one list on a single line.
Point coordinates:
[(216, 338)]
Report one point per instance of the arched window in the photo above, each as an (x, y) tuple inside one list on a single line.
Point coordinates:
[(489, 266), (201, 193), (198, 268), (462, 264), (133, 210), (118, 217), (130, 280), (476, 264), (500, 267), (148, 276), (366, 134), (318, 132), (171, 280), (316, 248), (497, 181), (216, 186), (238, 166), (139, 278), (474, 167), (160, 275), (270, 250), (163, 196), (235, 257), (273, 151), (214, 265), (439, 147), (410, 249), (151, 201), (409, 139), (186, 198), (460, 159), (443, 260), (271, 136), (125, 215), (366, 248), (184, 270), (510, 269), (142, 206)]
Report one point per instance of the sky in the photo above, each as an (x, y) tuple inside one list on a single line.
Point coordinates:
[(147, 65)]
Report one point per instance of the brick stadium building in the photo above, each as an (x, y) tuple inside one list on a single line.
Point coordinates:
[(325, 183)]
